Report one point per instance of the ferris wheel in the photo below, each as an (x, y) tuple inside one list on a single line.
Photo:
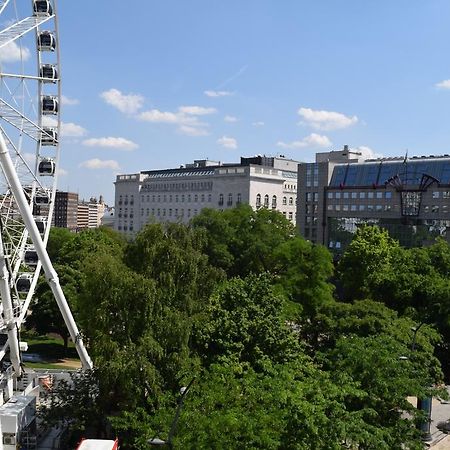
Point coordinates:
[(30, 124)]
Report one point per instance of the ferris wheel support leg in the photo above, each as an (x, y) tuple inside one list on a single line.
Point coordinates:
[(50, 273), (13, 341)]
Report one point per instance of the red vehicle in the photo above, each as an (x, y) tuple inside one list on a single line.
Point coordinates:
[(98, 444)]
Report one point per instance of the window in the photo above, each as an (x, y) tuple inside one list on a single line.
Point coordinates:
[(362, 207), (159, 212), (291, 216), (446, 194), (258, 200), (274, 201), (353, 207), (170, 198), (284, 200), (338, 207), (354, 194), (203, 197), (330, 195), (209, 197), (195, 198), (266, 201), (315, 209), (345, 194), (345, 208), (388, 195), (308, 209), (369, 207), (189, 198), (230, 199), (176, 198), (379, 208), (387, 207), (239, 199), (182, 198), (436, 194), (159, 199), (338, 195), (330, 207), (309, 196), (435, 208), (291, 200), (316, 196), (370, 195), (189, 212), (220, 200), (362, 195), (379, 195), (170, 212)]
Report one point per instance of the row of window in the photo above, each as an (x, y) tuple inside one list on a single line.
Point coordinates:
[(426, 209), (177, 198), (360, 195), (187, 186), (291, 187), (274, 201), (312, 196), (443, 194), (230, 199), (169, 212)]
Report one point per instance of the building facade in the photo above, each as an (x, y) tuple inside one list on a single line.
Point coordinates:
[(410, 197), (177, 195), (65, 214)]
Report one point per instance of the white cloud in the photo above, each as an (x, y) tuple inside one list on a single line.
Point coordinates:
[(119, 143), (445, 84), (96, 163), (126, 103), (71, 129), (186, 118), (325, 120), (218, 93), (367, 152), (62, 172), (230, 119), (313, 140), (193, 131), (196, 110), (69, 101), (227, 142), (13, 53), (258, 124), (157, 116)]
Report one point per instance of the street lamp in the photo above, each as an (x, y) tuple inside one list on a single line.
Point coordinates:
[(156, 442)]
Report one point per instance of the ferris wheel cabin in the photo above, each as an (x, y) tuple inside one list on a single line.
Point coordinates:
[(31, 257), (49, 136), (23, 283), (48, 73), (46, 41), (47, 167), (41, 223), (49, 105), (42, 198), (42, 8)]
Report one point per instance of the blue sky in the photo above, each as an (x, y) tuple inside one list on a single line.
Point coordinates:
[(155, 84)]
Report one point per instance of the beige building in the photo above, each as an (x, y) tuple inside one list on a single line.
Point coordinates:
[(178, 195)]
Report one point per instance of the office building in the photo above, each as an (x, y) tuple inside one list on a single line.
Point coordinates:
[(410, 197), (177, 195), (65, 214)]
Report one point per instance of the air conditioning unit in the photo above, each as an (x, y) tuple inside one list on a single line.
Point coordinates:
[(9, 439)]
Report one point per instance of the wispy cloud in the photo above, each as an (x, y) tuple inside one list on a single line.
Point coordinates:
[(325, 120), (258, 124), (12, 52), (95, 164), (119, 143), (233, 77), (126, 103), (214, 94), (193, 131), (62, 172), (196, 110), (313, 140), (230, 119), (69, 101), (227, 142), (444, 84)]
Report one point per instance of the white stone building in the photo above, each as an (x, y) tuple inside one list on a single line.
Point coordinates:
[(177, 195)]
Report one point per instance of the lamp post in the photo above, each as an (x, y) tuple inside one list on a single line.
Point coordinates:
[(156, 442)]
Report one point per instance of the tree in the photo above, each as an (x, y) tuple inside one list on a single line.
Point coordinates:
[(241, 240), (367, 259)]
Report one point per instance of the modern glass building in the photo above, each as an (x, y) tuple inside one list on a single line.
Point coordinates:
[(410, 197)]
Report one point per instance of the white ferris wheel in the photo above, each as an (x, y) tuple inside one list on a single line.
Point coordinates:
[(30, 99)]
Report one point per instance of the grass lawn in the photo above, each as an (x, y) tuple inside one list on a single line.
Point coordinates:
[(51, 349)]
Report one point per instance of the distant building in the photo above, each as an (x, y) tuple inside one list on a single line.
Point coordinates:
[(341, 191), (66, 210), (83, 216), (177, 195), (108, 218)]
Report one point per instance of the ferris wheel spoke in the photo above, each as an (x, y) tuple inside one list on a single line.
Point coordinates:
[(21, 122), (3, 4), (21, 28)]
